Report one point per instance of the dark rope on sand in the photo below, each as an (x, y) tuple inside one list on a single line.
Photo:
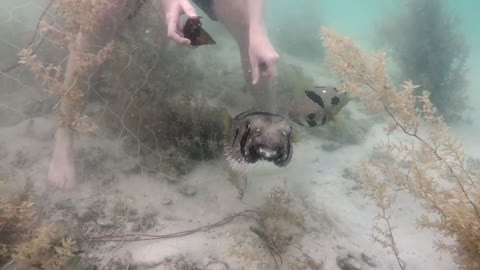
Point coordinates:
[(136, 237)]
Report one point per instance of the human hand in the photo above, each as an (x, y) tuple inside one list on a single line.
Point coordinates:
[(263, 57), (173, 10)]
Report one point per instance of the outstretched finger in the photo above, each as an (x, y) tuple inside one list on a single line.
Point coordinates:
[(255, 70)]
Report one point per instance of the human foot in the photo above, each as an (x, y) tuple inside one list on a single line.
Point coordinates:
[(62, 168)]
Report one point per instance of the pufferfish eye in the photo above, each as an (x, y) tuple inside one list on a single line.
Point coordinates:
[(311, 120)]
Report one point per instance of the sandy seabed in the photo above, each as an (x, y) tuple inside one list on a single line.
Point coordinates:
[(115, 197)]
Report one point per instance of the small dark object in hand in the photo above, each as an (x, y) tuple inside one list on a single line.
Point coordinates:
[(196, 34)]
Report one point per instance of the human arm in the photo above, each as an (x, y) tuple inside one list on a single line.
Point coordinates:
[(255, 9), (263, 57)]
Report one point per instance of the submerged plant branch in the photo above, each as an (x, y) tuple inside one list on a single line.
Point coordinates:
[(434, 158), (392, 243), (442, 159)]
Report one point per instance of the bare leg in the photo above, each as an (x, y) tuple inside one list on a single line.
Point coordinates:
[(233, 15), (62, 168)]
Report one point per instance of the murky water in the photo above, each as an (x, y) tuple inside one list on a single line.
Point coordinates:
[(122, 149)]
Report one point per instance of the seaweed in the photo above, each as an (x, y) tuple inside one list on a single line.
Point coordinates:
[(27, 244), (431, 51), (423, 159), (279, 227)]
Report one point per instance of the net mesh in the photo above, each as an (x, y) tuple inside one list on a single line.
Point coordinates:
[(146, 92), (141, 105)]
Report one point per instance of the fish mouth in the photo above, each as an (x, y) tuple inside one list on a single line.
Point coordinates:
[(278, 154)]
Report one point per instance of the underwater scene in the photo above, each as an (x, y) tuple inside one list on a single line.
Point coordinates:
[(239, 134)]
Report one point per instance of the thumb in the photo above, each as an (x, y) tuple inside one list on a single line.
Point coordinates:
[(255, 70), (188, 9)]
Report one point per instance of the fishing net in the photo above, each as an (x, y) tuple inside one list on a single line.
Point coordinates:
[(142, 106), (136, 87)]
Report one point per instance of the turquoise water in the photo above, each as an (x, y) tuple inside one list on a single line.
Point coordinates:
[(359, 19), (467, 10)]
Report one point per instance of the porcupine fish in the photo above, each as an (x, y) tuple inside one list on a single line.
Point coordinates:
[(316, 106)]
